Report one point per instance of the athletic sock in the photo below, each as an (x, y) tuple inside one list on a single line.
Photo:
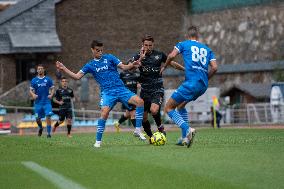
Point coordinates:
[(48, 129), (69, 129), (139, 116), (184, 115), (122, 119), (100, 129), (157, 118), (133, 121), (39, 124), (176, 117), (56, 124), (147, 128)]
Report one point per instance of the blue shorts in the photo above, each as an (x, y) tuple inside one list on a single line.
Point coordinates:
[(43, 109), (189, 91), (121, 95)]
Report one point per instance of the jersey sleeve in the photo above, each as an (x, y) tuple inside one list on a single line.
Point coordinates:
[(179, 47), (50, 83), (135, 57), (72, 94), (164, 57), (33, 84), (57, 95), (114, 60), (85, 69)]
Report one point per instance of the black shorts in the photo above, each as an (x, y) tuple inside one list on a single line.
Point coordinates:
[(65, 113), (149, 98)]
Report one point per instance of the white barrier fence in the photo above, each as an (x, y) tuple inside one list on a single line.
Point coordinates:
[(244, 114)]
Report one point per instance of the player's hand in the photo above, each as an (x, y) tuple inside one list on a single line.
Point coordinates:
[(61, 102), (162, 70), (49, 96), (59, 65), (142, 53), (34, 97), (136, 64)]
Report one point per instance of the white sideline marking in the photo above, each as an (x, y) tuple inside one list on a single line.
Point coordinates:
[(57, 179)]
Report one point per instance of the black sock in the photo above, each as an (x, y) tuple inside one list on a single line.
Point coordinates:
[(133, 121), (39, 123), (69, 129), (157, 119), (122, 119), (56, 124), (147, 128)]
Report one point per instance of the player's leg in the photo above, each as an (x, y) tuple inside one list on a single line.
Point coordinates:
[(48, 113), (61, 115), (132, 116), (145, 123), (39, 114), (101, 125), (139, 103), (157, 101), (122, 119), (69, 122)]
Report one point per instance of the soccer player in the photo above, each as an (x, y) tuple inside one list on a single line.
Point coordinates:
[(104, 70), (41, 91), (152, 89), (130, 80), (197, 58), (64, 96)]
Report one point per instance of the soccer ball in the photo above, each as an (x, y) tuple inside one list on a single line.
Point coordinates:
[(158, 139)]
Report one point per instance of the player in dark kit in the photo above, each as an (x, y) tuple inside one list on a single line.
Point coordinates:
[(130, 80), (152, 89), (63, 97)]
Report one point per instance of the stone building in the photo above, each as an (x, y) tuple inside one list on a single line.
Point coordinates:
[(242, 35)]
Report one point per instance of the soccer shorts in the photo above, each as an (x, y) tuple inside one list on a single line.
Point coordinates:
[(43, 109), (120, 95), (189, 91), (65, 113), (153, 97)]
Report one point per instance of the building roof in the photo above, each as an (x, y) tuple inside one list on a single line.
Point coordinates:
[(257, 90), (250, 67), (29, 26)]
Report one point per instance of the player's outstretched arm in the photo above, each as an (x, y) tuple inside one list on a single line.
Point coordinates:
[(131, 66), (177, 66), (213, 68), (170, 58), (63, 68)]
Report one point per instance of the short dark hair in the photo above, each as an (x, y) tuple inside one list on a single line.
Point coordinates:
[(192, 31), (63, 78), (39, 65), (96, 43), (147, 38)]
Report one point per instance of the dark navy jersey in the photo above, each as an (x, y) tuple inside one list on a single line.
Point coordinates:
[(150, 77), (130, 80), (65, 95)]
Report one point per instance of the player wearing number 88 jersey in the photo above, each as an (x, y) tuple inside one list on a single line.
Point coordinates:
[(197, 58)]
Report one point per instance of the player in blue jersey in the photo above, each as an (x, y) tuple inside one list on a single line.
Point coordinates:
[(41, 91), (104, 70), (197, 58)]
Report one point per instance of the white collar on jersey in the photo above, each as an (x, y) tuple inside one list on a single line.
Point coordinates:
[(41, 77)]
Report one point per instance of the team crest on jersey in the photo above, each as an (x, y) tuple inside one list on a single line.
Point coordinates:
[(105, 61), (45, 80), (157, 57)]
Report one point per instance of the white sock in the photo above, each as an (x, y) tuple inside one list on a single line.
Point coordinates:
[(138, 129)]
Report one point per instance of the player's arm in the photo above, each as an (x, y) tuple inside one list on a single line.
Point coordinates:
[(177, 66), (129, 66), (213, 68), (170, 58), (63, 68), (32, 93), (51, 92), (57, 96)]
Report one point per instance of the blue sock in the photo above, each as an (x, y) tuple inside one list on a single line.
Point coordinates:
[(100, 129), (48, 128), (176, 117), (139, 116)]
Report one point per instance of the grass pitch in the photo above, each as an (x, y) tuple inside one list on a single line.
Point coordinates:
[(219, 158)]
